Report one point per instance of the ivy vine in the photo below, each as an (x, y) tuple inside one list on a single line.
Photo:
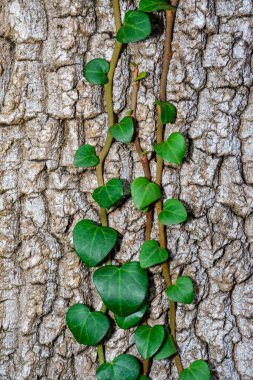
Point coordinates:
[(123, 289)]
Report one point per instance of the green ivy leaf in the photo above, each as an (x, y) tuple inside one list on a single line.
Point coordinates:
[(136, 27), (168, 111), (144, 192), (167, 349), (143, 377), (196, 371), (93, 242), (172, 150), (122, 290), (148, 340), (85, 157), (123, 131), (123, 367), (142, 75), (182, 291), (106, 196), (173, 212), (88, 327), (96, 71), (155, 5), (132, 319), (151, 254)]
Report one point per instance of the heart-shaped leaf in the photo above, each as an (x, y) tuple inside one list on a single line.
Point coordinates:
[(88, 327), (182, 292), (168, 111), (154, 5), (96, 71), (141, 76), (173, 212), (132, 319), (148, 340), (106, 196), (124, 130), (136, 27), (123, 367), (167, 349), (196, 371), (151, 254), (172, 150), (122, 290), (93, 242), (144, 192), (85, 157)]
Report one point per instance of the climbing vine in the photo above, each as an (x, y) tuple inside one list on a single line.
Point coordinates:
[(123, 289)]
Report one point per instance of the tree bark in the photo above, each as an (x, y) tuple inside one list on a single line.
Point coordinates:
[(47, 110)]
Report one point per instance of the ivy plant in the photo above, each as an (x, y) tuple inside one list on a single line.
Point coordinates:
[(123, 288)]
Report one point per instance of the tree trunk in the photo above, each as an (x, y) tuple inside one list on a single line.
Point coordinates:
[(48, 110)]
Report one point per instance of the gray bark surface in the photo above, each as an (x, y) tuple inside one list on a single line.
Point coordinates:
[(47, 110)]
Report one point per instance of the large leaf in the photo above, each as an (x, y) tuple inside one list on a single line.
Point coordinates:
[(124, 130), (88, 327), (167, 349), (96, 71), (151, 254), (106, 196), (168, 111), (182, 291), (198, 370), (132, 319), (93, 242), (144, 192), (85, 157), (148, 340), (172, 150), (154, 5), (173, 212), (122, 290), (123, 367), (136, 27)]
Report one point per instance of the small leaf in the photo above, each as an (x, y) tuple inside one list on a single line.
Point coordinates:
[(144, 192), (96, 71), (167, 348), (123, 367), (151, 254), (136, 27), (85, 157), (124, 130), (173, 212), (132, 319), (168, 111), (143, 377), (122, 290), (106, 196), (142, 75), (196, 371), (172, 150), (182, 292), (148, 340), (93, 242), (155, 5), (88, 327)]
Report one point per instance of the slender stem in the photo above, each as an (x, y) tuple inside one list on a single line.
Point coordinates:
[(108, 141), (142, 156), (170, 16)]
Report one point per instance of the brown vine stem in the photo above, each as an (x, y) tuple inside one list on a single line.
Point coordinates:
[(108, 141), (170, 17), (145, 166)]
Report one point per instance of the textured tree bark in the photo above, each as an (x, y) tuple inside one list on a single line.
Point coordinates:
[(47, 110)]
